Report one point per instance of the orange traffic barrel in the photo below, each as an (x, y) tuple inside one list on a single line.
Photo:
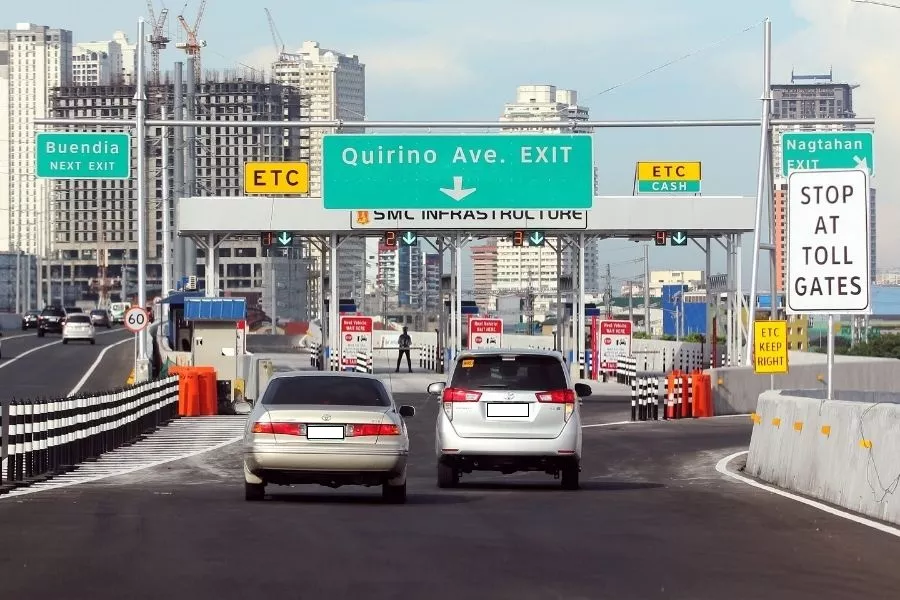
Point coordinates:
[(209, 401)]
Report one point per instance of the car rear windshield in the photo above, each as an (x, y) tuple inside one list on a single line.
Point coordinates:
[(78, 319), (326, 391), (509, 372), (98, 313)]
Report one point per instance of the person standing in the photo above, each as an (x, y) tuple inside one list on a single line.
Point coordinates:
[(405, 343)]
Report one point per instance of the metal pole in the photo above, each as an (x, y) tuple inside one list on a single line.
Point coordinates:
[(454, 315), (458, 292), (442, 316), (830, 358), (739, 296), (647, 289), (630, 301), (178, 168), (761, 184), (323, 265), (707, 251), (770, 198), (584, 125), (579, 331), (142, 361), (559, 306), (274, 287), (334, 329), (190, 165), (28, 305), (167, 219), (19, 310)]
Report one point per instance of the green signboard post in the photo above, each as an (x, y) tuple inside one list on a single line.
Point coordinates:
[(461, 172), (814, 150), (78, 155)]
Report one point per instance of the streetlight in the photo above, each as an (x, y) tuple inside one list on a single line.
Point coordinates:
[(876, 2)]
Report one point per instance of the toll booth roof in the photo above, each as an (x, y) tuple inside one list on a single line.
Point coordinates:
[(215, 309), (179, 297)]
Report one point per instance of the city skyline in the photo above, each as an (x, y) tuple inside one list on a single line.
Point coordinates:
[(723, 82)]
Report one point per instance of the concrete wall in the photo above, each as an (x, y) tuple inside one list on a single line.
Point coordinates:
[(842, 451), (736, 390)]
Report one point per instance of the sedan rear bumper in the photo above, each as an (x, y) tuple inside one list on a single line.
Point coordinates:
[(362, 466)]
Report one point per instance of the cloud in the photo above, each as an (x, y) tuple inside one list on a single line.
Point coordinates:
[(858, 42)]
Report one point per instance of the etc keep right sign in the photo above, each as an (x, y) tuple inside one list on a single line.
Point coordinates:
[(828, 248)]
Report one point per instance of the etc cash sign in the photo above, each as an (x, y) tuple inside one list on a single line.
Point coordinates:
[(468, 219)]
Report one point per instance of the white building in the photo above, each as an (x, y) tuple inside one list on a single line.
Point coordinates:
[(695, 280), (522, 267), (33, 60), (91, 67), (335, 87), (121, 59)]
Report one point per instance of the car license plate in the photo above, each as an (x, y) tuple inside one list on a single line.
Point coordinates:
[(507, 409), (324, 432)]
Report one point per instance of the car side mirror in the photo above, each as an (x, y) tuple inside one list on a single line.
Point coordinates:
[(583, 390), (436, 388), (407, 411)]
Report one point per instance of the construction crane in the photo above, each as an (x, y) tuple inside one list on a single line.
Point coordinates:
[(158, 40), (281, 55), (192, 45)]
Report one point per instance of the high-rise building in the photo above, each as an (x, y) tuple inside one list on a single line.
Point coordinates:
[(95, 220), (121, 58), (93, 67), (33, 60), (484, 274), (411, 284), (335, 85), (432, 282), (521, 269), (808, 97)]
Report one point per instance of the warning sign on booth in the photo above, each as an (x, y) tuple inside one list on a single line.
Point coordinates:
[(614, 343), (356, 338), (485, 333)]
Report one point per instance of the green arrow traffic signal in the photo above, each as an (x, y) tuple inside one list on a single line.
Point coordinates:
[(409, 238), (285, 238), (679, 238), (536, 238)]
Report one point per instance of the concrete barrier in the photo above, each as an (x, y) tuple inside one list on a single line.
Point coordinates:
[(10, 321), (736, 390), (841, 451)]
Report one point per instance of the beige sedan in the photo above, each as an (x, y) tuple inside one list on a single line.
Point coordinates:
[(326, 428)]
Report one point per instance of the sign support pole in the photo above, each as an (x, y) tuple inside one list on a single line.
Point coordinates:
[(334, 328), (142, 361), (457, 292), (167, 220), (580, 318), (761, 185), (830, 359)]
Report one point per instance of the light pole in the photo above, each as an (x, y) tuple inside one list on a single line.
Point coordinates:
[(876, 3)]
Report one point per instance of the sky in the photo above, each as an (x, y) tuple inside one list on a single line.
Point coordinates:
[(628, 59)]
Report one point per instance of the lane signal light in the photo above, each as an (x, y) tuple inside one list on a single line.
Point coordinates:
[(267, 239), (661, 237), (518, 238), (390, 239)]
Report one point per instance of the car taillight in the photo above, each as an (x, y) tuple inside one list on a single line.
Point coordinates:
[(369, 429), (557, 396), (566, 397), (278, 428), (460, 395)]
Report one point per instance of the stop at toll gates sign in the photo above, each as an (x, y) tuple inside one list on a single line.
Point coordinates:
[(356, 338), (485, 333)]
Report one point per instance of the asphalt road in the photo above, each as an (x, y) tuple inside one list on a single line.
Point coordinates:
[(653, 520), (34, 367)]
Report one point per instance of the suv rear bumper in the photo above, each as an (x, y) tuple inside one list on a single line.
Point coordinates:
[(566, 445)]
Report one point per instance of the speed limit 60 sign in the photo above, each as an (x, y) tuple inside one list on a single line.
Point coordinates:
[(136, 319)]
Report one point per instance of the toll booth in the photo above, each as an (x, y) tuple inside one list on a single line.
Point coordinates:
[(218, 326), (177, 329)]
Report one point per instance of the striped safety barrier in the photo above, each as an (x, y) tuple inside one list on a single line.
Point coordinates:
[(688, 395), (364, 362), (49, 437), (646, 397)]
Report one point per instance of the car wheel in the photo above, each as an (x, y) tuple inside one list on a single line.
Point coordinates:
[(447, 476), (93, 342), (40, 333), (569, 476), (65, 341), (254, 492), (394, 494)]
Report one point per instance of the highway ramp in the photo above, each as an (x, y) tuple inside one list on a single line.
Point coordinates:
[(654, 520)]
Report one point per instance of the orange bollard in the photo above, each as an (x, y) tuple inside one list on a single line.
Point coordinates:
[(189, 395), (670, 395), (209, 401), (182, 390)]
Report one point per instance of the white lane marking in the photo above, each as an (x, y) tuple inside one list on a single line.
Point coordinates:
[(94, 365), (20, 336), (184, 435), (611, 424), (41, 347), (722, 467), (664, 420)]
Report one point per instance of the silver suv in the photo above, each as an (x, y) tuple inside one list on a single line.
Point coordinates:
[(509, 411)]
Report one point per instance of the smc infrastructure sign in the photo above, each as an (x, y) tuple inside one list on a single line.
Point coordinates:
[(614, 343), (485, 333), (356, 338)]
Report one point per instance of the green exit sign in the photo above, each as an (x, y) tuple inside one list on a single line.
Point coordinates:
[(79, 155), (815, 150), (461, 172)]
